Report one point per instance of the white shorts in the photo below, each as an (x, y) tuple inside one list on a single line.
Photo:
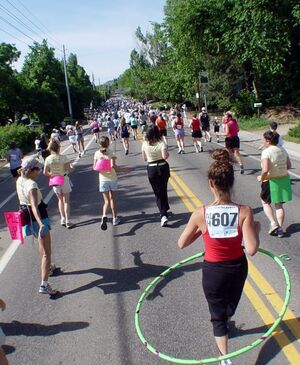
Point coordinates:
[(72, 139), (65, 188)]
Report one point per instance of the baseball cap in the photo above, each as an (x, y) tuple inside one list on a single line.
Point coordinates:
[(30, 164), (203, 109)]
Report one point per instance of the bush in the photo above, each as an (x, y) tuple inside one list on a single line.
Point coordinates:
[(160, 105), (244, 104), (24, 138), (295, 131)]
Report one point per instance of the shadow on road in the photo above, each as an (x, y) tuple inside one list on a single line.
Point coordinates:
[(116, 281), (16, 328)]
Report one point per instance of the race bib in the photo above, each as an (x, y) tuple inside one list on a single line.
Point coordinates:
[(222, 221), (179, 126), (13, 157)]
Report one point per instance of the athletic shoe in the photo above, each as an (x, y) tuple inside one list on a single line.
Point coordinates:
[(69, 225), (210, 138), (79, 154), (182, 152), (116, 221), (197, 151), (225, 362), (164, 221), (201, 149), (280, 233), (63, 222), (179, 151), (242, 169), (104, 224), (46, 289), (218, 140), (273, 229), (126, 152), (52, 269)]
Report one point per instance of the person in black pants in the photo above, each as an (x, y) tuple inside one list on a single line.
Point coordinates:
[(155, 152), (224, 225)]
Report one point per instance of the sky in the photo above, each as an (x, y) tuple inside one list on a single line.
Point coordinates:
[(100, 33)]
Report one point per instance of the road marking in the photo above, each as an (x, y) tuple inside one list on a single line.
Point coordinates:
[(283, 341), (7, 199), (275, 300), (8, 254)]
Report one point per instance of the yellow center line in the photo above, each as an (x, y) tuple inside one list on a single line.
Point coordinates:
[(283, 341), (191, 201)]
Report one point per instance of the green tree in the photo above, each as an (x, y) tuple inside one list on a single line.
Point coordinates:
[(9, 86)]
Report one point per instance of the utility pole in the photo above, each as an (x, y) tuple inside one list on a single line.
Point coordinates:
[(67, 86)]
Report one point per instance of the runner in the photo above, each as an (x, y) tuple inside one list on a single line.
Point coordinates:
[(232, 141), (196, 133), (111, 129), (95, 130), (44, 145), (14, 158), (178, 127), (275, 182), (204, 119), (105, 164), (155, 152), (116, 125), (224, 225), (123, 130), (79, 138), (162, 127), (72, 137), (37, 224), (58, 165), (134, 124), (217, 128)]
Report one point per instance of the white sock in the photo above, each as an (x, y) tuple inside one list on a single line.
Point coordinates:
[(199, 144), (44, 283)]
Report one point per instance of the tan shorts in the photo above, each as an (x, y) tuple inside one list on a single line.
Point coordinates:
[(65, 188)]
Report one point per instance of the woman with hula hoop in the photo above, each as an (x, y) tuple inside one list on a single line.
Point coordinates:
[(223, 225)]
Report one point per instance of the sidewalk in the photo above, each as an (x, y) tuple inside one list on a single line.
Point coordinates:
[(256, 139)]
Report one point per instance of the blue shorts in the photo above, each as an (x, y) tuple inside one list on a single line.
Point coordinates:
[(105, 186), (28, 228)]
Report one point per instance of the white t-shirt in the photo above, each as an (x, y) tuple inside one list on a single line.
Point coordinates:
[(56, 164), (37, 144), (24, 186), (278, 158), (154, 152)]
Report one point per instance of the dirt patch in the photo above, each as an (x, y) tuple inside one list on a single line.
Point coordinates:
[(282, 113)]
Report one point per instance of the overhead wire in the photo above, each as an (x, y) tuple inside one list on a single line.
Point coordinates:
[(11, 35), (9, 13), (48, 33), (19, 30)]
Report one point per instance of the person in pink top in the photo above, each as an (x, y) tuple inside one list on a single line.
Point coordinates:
[(232, 141)]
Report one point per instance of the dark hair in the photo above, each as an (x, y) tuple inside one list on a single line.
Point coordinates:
[(221, 170), (195, 115), (178, 115), (273, 125), (272, 137), (153, 135), (104, 143), (13, 145)]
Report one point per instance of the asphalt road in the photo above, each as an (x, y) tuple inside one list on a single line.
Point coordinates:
[(102, 274)]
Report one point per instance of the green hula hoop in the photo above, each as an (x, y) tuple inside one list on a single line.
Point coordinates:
[(244, 349)]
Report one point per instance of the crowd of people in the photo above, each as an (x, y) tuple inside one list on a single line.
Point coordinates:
[(225, 264)]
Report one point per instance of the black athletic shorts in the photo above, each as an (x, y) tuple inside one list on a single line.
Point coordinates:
[(232, 142), (217, 129), (265, 193), (14, 172), (163, 132), (197, 134), (205, 127)]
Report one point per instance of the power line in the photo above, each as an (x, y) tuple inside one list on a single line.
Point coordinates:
[(9, 13), (20, 40), (28, 36), (42, 30)]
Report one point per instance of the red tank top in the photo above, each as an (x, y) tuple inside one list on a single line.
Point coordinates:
[(195, 125), (233, 128), (223, 236)]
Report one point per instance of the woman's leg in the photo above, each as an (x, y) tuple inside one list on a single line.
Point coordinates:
[(3, 358), (106, 203), (66, 202), (268, 210), (182, 143), (61, 206), (237, 155), (280, 213), (178, 144), (113, 206), (45, 253)]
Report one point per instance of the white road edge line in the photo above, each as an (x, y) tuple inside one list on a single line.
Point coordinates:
[(12, 248)]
